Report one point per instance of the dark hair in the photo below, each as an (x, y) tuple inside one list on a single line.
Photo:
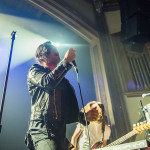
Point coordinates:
[(43, 50)]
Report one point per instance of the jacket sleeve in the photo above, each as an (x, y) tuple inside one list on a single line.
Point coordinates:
[(48, 79)]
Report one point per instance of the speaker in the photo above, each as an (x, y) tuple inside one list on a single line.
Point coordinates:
[(136, 29), (135, 20)]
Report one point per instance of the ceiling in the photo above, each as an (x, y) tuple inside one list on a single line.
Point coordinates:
[(84, 9), (32, 24)]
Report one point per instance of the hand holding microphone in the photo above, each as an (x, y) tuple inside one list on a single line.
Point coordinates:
[(70, 57)]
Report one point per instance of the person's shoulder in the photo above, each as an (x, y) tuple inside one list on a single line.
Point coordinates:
[(66, 80), (37, 67), (79, 125)]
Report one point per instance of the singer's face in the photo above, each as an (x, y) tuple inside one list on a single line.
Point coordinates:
[(53, 58)]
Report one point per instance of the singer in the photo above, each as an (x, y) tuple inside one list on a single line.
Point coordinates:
[(53, 100)]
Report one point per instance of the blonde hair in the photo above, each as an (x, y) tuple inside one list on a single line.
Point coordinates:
[(100, 106)]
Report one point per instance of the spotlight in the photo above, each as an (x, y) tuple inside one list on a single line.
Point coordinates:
[(56, 44)]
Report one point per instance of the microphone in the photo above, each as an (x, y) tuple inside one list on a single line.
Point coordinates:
[(145, 95), (75, 66)]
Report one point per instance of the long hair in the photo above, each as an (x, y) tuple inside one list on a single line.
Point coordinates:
[(88, 107), (101, 118)]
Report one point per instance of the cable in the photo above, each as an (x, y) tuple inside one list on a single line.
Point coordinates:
[(83, 107)]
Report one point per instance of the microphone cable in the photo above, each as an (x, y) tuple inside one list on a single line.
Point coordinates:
[(76, 69)]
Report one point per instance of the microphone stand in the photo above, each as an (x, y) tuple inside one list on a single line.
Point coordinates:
[(144, 111), (6, 78), (76, 69)]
